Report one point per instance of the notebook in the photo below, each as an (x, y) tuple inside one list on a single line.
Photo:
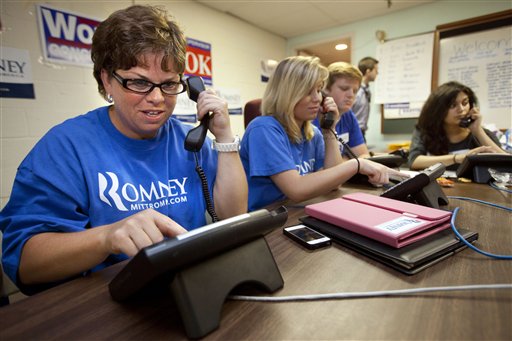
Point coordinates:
[(409, 259), (389, 221)]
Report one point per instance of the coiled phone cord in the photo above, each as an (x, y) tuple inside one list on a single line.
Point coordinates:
[(347, 149), (206, 191)]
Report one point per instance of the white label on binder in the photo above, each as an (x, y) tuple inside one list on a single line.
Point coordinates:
[(399, 225)]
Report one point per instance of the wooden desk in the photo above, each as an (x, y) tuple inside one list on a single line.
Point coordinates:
[(83, 309)]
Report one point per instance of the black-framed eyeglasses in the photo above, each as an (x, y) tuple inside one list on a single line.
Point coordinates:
[(142, 86)]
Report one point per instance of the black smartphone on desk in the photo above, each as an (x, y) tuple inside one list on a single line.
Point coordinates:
[(306, 236)]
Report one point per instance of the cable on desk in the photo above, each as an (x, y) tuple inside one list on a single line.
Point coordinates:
[(468, 244), (369, 294), (493, 185), (481, 202)]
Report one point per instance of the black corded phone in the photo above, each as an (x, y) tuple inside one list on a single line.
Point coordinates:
[(196, 136), (476, 166), (421, 189), (328, 120), (465, 121), (195, 140)]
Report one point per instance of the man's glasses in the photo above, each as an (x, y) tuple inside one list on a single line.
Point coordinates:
[(142, 86)]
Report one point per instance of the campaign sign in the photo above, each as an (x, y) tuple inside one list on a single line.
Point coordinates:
[(199, 60), (66, 37), (15, 74)]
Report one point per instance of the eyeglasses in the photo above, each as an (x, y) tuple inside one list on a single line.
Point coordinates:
[(142, 86)]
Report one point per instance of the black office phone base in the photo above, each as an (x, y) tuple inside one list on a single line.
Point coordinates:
[(431, 195), (201, 289)]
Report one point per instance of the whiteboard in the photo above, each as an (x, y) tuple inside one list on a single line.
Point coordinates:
[(405, 69), (483, 62)]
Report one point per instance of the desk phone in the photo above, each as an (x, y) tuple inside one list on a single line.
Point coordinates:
[(422, 188)]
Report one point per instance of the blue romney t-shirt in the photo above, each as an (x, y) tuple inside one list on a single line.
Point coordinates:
[(266, 150)]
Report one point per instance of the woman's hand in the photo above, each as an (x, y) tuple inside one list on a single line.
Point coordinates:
[(220, 126), (135, 232), (379, 174), (477, 150), (328, 105), (475, 115)]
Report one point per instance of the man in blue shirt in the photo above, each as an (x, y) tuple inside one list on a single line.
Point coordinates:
[(342, 85)]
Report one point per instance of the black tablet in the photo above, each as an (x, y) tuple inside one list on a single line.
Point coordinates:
[(170, 255), (409, 259), (476, 167)]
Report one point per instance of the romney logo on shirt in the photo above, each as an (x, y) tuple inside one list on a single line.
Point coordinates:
[(134, 197)]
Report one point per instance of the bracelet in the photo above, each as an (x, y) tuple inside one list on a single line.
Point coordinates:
[(227, 147), (358, 165), (454, 158)]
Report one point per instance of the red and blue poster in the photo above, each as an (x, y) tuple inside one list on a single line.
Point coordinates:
[(66, 37), (199, 60)]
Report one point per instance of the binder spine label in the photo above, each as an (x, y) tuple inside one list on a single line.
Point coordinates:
[(400, 225)]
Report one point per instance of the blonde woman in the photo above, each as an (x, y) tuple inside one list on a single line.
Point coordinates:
[(284, 154)]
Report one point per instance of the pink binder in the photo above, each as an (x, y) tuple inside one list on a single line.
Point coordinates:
[(389, 221)]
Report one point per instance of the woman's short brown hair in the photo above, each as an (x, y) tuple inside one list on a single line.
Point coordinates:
[(126, 35)]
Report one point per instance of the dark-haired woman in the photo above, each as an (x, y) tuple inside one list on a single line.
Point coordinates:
[(439, 135)]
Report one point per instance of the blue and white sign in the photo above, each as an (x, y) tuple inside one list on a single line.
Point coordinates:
[(15, 74), (66, 37)]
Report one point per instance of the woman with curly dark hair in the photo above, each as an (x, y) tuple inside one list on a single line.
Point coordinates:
[(440, 136)]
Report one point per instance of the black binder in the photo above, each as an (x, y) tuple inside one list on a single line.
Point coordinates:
[(409, 259)]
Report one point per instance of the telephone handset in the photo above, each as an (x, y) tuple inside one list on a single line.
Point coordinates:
[(328, 120), (196, 136), (465, 121)]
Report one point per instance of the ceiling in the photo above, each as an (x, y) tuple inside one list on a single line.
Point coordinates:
[(291, 18)]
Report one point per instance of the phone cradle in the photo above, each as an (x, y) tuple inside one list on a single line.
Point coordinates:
[(431, 195), (200, 290)]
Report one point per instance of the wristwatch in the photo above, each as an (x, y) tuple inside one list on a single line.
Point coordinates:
[(227, 147)]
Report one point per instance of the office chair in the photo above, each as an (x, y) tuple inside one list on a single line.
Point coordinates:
[(252, 109)]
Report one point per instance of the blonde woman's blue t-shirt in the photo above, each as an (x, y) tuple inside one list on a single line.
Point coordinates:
[(266, 150)]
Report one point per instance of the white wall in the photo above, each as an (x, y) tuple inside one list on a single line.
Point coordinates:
[(416, 20), (64, 91), (237, 49)]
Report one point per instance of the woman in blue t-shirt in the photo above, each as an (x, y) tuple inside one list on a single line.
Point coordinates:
[(284, 154), (101, 186)]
